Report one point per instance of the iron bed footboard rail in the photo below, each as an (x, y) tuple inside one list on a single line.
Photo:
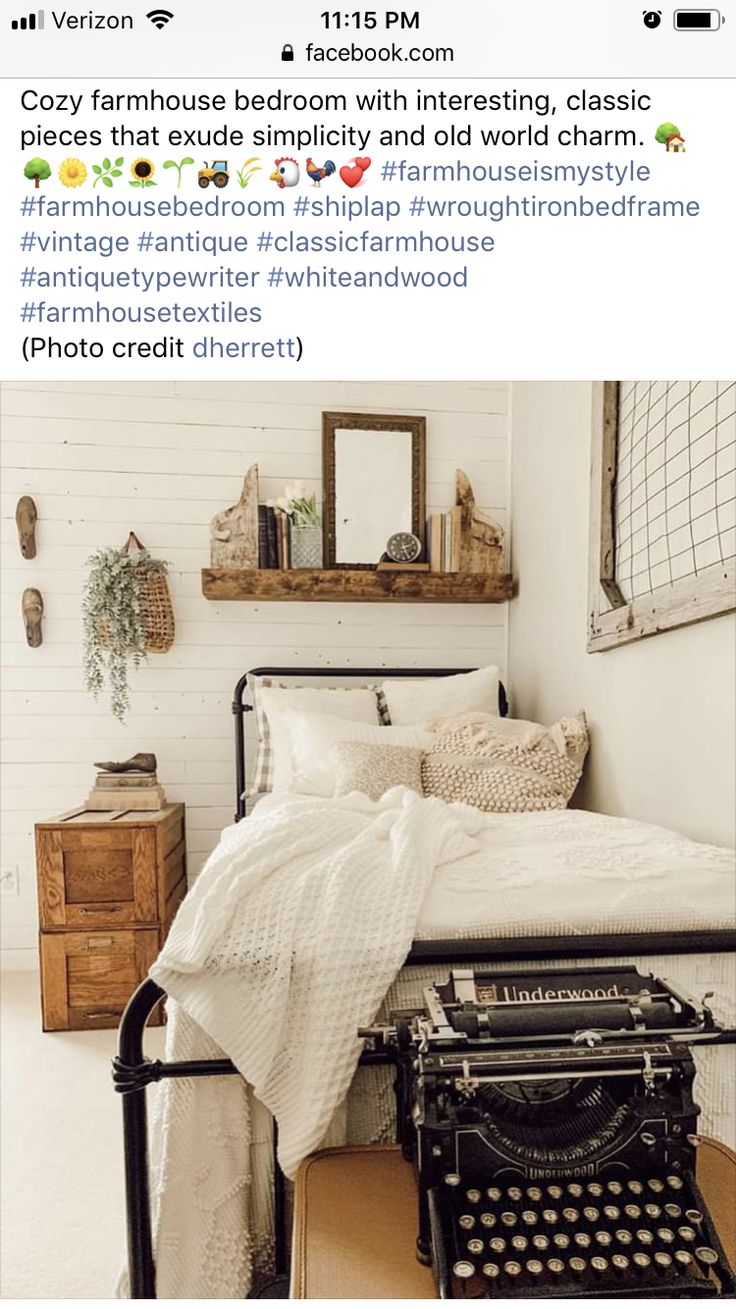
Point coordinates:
[(132, 1071)]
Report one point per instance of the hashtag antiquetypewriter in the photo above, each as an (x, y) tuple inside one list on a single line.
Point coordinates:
[(551, 1119)]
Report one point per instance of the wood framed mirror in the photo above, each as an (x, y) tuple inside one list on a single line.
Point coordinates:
[(374, 479)]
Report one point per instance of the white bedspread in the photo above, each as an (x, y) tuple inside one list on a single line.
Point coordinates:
[(294, 932)]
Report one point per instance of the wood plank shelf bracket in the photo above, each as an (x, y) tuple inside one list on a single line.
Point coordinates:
[(359, 584)]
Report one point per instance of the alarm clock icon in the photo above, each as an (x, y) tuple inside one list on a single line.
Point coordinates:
[(652, 17)]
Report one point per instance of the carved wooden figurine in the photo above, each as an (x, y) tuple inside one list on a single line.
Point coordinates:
[(234, 532), (481, 540)]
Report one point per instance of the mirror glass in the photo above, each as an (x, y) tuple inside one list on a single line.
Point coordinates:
[(373, 492)]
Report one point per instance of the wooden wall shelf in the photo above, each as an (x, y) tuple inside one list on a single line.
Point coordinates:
[(336, 584)]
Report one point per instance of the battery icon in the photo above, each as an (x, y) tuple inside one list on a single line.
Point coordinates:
[(697, 20)]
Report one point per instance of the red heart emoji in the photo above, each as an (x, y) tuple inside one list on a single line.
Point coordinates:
[(363, 163), (351, 176)]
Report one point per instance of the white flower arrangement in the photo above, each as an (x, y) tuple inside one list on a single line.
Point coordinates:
[(301, 508)]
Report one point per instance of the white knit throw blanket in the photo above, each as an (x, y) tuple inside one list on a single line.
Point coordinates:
[(287, 944)]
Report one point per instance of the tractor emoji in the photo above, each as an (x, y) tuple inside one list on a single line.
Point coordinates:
[(217, 173)]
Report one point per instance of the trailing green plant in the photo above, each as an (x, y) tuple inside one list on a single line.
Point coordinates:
[(114, 625)]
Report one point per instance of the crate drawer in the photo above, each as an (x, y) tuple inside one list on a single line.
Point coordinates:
[(96, 878), (87, 978)]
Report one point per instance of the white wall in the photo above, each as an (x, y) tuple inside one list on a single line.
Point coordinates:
[(100, 459), (661, 710)]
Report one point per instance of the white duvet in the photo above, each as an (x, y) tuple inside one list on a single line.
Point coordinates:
[(296, 929)]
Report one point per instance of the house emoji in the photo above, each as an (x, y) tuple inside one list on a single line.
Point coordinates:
[(675, 144)]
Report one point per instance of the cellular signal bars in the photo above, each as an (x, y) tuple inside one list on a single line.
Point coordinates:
[(33, 23)]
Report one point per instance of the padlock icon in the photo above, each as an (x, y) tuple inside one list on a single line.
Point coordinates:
[(287, 54)]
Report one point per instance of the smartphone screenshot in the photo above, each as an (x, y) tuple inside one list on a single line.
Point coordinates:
[(367, 649)]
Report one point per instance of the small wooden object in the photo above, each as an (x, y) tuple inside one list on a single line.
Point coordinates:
[(234, 532), (481, 540), (26, 517), (109, 886), (32, 610)]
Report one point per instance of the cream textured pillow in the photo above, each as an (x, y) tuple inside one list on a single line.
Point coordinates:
[(310, 768), (269, 699), (505, 765), (412, 701), (374, 769)]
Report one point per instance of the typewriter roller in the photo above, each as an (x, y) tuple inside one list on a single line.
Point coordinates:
[(551, 1120)]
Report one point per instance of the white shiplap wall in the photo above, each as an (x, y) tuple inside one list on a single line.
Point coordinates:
[(163, 458)]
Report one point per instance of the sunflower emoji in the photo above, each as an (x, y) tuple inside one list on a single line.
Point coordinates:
[(73, 172), (142, 170)]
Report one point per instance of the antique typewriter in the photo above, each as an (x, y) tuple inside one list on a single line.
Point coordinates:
[(551, 1120)]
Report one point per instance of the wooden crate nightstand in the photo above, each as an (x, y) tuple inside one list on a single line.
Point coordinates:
[(108, 888)]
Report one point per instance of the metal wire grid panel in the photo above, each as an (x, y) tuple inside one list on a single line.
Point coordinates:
[(675, 493)]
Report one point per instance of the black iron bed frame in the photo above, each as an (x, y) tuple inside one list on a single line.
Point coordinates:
[(133, 1072)]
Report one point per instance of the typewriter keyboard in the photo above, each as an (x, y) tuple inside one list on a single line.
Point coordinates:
[(634, 1236)]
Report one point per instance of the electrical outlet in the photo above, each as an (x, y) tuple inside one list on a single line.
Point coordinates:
[(9, 881)]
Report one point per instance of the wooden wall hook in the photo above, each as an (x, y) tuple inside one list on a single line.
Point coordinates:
[(32, 609), (26, 517)]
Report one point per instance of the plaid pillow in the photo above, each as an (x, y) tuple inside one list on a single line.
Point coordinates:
[(263, 769)]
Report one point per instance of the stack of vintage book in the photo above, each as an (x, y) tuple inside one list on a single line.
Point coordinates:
[(128, 790), (274, 538), (443, 541)]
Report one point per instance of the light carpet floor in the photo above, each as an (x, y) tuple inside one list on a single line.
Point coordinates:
[(62, 1227)]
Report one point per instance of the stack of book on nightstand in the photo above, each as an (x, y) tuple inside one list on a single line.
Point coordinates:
[(129, 790)]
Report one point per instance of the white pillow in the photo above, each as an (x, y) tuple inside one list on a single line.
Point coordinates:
[(312, 766), (359, 704), (419, 702)]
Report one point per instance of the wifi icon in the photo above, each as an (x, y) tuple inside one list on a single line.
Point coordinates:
[(160, 17)]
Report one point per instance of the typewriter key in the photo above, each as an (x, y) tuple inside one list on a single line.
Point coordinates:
[(475, 1246), (620, 1263), (575, 1190), (652, 1211), (623, 1236), (666, 1235), (540, 1242), (662, 1261), (534, 1193), (673, 1211), (686, 1234), (519, 1243), (534, 1267), (463, 1269), (577, 1265), (466, 1221), (603, 1238), (591, 1213), (550, 1216), (497, 1245), (594, 1189), (612, 1213), (583, 1240), (556, 1267), (644, 1236), (683, 1259), (694, 1217), (656, 1185), (487, 1220), (633, 1212), (561, 1241), (706, 1256), (599, 1264), (514, 1194), (452, 1179), (493, 1194), (554, 1192), (491, 1271), (508, 1219), (512, 1269), (570, 1215), (635, 1187), (473, 1196), (615, 1188), (675, 1183), (641, 1261), (529, 1218)]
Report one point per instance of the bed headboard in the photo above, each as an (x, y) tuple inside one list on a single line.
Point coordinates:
[(241, 706)]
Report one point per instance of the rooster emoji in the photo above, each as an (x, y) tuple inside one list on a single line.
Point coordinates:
[(316, 173), (286, 173)]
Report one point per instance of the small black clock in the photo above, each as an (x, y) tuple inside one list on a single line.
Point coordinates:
[(403, 547)]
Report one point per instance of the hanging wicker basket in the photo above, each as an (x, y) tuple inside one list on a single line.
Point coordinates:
[(157, 611)]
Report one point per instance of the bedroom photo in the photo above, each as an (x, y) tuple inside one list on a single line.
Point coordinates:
[(368, 825)]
